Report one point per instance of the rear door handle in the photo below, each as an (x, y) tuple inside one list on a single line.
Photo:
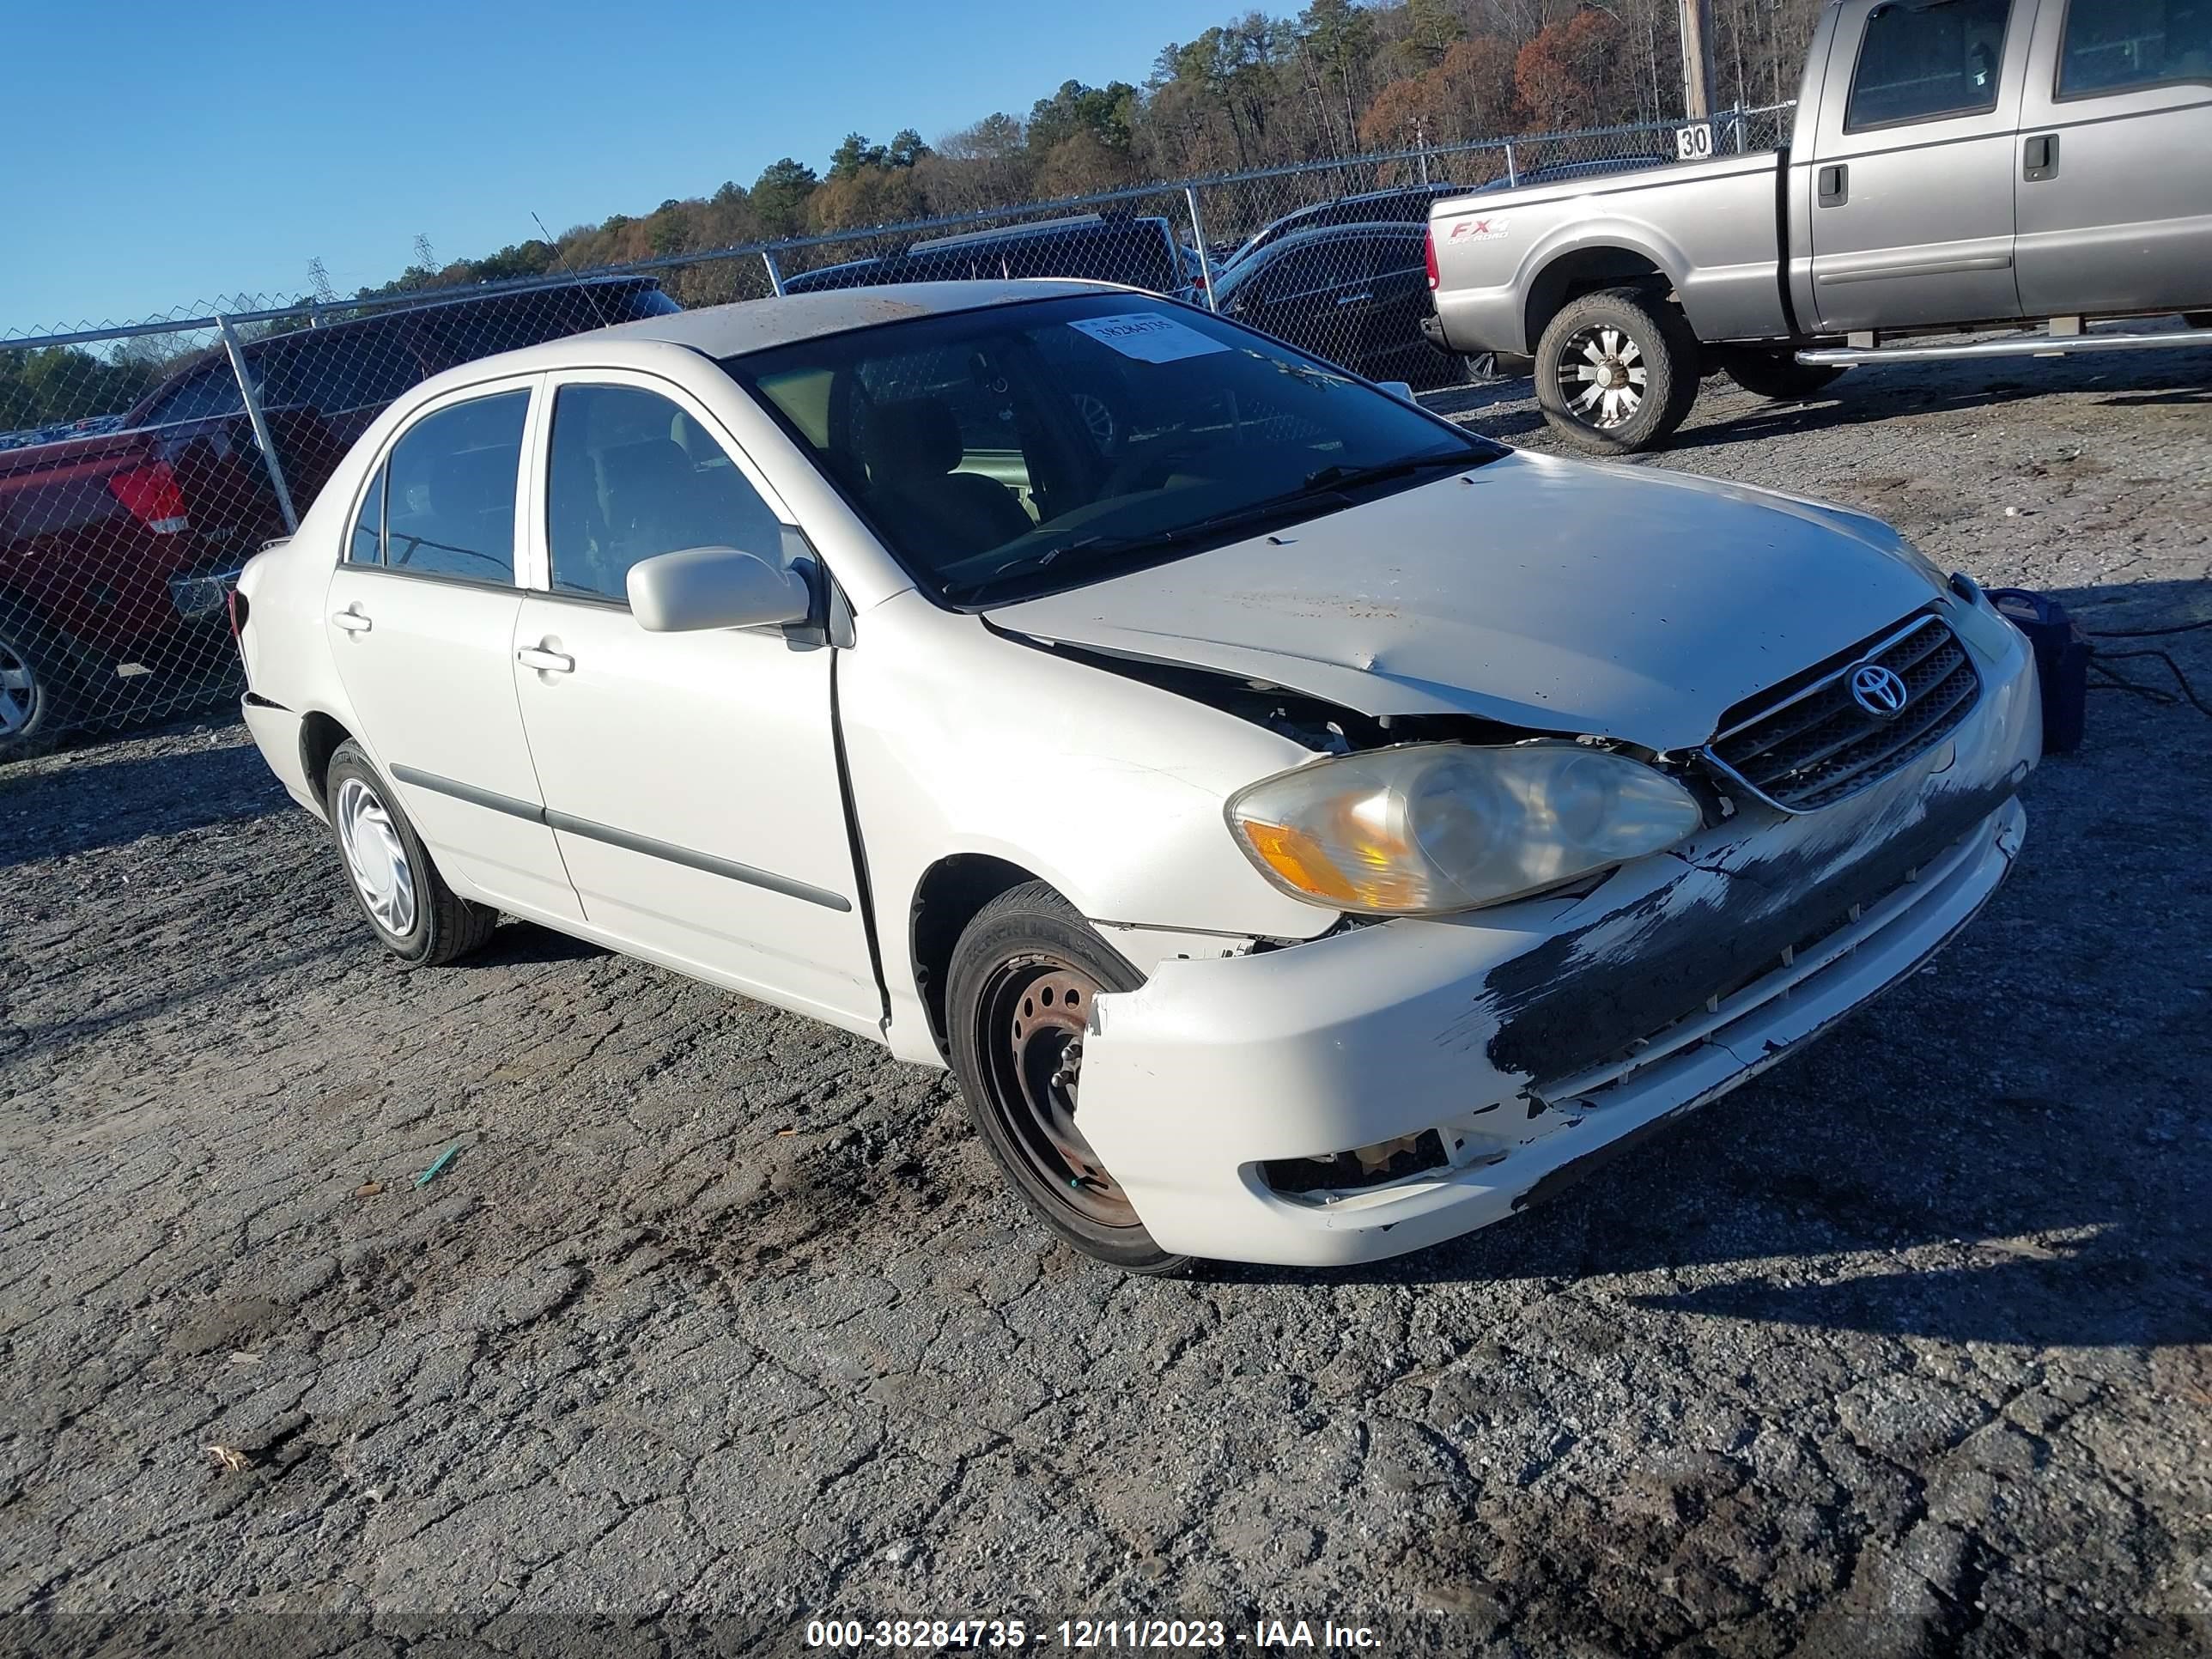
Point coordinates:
[(1835, 185), (545, 661), (354, 621), (2040, 158)]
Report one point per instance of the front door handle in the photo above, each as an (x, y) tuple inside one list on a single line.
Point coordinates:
[(2040, 158), (545, 661), (353, 621), (1835, 185)]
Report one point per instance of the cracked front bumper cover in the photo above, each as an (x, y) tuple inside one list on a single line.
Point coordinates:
[(1535, 1035)]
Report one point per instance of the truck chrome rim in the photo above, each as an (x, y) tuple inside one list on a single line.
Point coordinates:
[(1608, 367), (1035, 1013), (19, 690), (377, 857), (1098, 420)]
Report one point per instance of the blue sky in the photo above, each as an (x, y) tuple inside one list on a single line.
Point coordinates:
[(163, 155)]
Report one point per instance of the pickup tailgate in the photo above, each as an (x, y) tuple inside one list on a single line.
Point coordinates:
[(1711, 229)]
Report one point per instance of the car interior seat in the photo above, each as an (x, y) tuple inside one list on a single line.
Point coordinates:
[(914, 450), (467, 525)]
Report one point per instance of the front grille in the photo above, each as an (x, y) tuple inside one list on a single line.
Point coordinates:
[(1804, 749)]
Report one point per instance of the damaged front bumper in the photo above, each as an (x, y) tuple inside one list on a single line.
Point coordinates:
[(1456, 1069)]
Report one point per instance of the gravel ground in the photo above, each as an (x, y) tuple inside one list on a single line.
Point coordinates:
[(719, 1321)]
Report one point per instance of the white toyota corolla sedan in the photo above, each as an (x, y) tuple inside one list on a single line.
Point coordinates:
[(1307, 830)]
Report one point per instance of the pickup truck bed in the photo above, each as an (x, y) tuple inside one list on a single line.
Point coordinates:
[(1507, 260)]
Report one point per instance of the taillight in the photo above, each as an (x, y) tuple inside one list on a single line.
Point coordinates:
[(236, 603), (1428, 256), (151, 496)]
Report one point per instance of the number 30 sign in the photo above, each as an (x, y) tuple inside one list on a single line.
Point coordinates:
[(1694, 143)]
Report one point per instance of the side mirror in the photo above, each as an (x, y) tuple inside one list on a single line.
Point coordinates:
[(704, 587), (1399, 389)]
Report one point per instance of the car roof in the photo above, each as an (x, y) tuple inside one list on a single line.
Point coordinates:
[(730, 331)]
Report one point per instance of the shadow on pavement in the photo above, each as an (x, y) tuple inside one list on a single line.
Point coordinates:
[(88, 799)]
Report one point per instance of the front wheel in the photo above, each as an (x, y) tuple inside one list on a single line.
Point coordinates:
[(1778, 374), (1018, 1004), (421, 921), (1617, 370)]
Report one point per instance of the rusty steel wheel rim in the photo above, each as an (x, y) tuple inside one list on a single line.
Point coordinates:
[(1034, 1011)]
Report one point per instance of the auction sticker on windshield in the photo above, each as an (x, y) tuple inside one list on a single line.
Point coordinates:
[(1147, 337)]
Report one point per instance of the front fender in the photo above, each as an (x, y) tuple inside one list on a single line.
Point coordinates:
[(961, 740)]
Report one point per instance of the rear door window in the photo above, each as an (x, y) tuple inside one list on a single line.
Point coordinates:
[(1312, 268), (1924, 60), (1394, 255), (2115, 45), (449, 489)]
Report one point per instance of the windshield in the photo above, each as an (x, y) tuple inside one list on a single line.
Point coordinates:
[(1017, 450)]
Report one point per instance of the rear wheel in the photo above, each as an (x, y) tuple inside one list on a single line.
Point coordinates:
[(421, 921), (1018, 1003), (1617, 370), (35, 689), (1778, 374)]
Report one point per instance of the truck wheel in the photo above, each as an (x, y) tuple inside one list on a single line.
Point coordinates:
[(37, 693), (1018, 1004), (421, 921), (1616, 370), (1778, 374)]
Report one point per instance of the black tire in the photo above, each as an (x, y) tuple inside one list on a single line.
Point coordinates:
[(1778, 374), (38, 690), (1010, 1051), (1651, 338), (438, 924)]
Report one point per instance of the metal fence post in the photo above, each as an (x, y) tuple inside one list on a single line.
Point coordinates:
[(246, 389), (775, 271), (1512, 172), (1198, 236)]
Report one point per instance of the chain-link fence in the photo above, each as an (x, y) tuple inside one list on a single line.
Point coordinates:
[(140, 465)]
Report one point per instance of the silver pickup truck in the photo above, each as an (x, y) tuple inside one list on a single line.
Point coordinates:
[(1954, 165)]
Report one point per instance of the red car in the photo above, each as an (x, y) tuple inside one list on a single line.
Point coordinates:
[(117, 548)]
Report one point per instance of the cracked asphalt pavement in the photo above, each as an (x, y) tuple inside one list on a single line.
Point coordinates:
[(719, 1320)]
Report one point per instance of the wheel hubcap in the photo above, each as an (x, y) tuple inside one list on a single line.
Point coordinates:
[(1036, 1012), (1608, 367), (376, 857), (19, 690)]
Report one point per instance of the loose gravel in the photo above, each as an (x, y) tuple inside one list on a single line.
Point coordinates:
[(719, 1321)]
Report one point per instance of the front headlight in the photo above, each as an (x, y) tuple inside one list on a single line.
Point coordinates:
[(1433, 827)]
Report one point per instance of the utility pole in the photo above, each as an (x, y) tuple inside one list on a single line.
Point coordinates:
[(1697, 59)]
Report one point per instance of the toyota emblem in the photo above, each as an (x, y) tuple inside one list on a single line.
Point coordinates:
[(1878, 690)]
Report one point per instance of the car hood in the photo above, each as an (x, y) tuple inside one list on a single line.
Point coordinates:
[(1557, 595)]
